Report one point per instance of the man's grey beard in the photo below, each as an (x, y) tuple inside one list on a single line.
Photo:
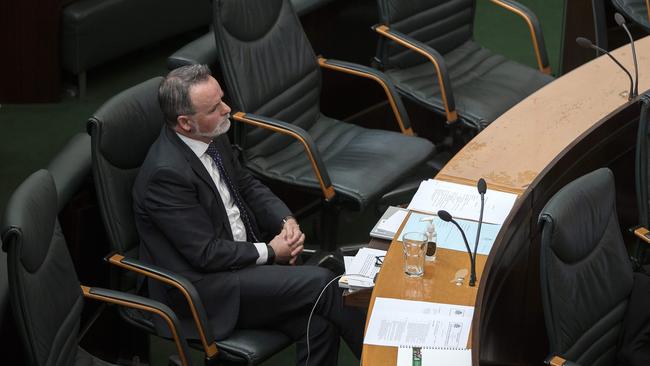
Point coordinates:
[(219, 130)]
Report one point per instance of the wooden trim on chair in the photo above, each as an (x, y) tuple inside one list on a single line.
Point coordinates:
[(533, 35), (557, 361), (210, 350), (642, 233), (452, 116), (328, 191), (88, 294), (407, 131)]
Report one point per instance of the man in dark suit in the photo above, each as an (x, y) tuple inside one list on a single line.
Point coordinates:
[(202, 215)]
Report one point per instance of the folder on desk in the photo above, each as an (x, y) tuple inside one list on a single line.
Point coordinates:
[(389, 223)]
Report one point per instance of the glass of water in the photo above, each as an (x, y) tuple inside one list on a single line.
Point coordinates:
[(414, 250)]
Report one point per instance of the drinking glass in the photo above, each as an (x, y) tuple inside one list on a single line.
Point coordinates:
[(414, 249)]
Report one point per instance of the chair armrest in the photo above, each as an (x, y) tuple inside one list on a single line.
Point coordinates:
[(643, 234), (367, 72), (183, 285), (144, 304), (436, 59), (202, 50), (299, 134), (555, 360), (535, 31)]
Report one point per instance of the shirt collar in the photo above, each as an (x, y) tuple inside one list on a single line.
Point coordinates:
[(198, 147)]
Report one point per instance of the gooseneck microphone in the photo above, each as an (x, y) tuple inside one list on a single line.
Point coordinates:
[(481, 185), (621, 22), (446, 217), (584, 42)]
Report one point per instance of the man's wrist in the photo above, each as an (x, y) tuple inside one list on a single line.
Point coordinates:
[(270, 257)]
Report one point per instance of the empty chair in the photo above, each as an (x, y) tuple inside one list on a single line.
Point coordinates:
[(635, 10), (273, 81), (586, 276), (46, 297), (427, 49)]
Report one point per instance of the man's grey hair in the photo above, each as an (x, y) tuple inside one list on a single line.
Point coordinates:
[(174, 91)]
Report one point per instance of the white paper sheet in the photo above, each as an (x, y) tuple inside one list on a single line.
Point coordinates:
[(462, 201), (418, 324), (361, 270), (393, 222)]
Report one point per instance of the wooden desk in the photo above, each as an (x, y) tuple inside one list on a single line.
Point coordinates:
[(573, 125)]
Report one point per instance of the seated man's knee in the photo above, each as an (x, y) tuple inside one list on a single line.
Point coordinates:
[(320, 277)]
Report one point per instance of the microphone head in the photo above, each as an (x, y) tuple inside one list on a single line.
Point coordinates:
[(482, 186), (444, 216), (584, 42), (620, 20)]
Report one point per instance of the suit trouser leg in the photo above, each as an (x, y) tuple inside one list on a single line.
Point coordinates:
[(281, 297)]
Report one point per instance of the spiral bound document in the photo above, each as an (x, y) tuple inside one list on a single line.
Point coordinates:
[(428, 356)]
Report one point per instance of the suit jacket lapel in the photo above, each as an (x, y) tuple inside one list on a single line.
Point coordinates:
[(200, 170)]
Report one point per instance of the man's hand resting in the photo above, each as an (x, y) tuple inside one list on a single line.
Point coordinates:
[(295, 237), (289, 243)]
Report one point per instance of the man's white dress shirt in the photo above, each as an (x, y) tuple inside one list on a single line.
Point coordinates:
[(236, 224)]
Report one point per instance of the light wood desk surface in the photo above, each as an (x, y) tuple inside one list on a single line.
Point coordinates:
[(515, 148), (437, 285), (510, 155)]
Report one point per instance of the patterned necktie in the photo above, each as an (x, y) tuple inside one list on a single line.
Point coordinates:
[(234, 192)]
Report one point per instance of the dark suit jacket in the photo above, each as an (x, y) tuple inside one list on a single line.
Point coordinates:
[(184, 228)]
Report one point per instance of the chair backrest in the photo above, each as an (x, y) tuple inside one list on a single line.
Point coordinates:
[(44, 289), (269, 67), (586, 276), (8, 330), (642, 162), (122, 130), (635, 10), (443, 25)]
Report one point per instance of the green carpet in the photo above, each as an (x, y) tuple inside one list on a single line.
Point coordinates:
[(507, 33)]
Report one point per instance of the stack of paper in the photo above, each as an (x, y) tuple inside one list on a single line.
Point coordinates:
[(361, 270), (389, 223), (419, 324), (462, 201)]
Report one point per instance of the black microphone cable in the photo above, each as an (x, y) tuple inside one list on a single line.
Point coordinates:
[(621, 22), (446, 216), (586, 43), (482, 188)]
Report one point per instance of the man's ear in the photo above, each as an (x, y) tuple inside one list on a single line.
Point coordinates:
[(184, 124)]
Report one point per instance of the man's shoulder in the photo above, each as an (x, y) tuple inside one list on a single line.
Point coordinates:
[(163, 156)]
